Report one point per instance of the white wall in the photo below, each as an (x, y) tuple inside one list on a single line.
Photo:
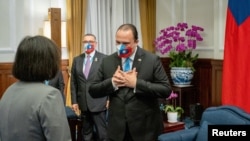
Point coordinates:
[(23, 17), (209, 14), (26, 17)]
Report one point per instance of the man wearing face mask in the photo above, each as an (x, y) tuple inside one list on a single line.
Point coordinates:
[(134, 79), (93, 111)]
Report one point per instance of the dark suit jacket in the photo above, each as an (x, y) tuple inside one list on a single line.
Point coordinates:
[(139, 110), (58, 82), (80, 85)]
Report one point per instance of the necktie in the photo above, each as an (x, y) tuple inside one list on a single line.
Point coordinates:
[(127, 65), (87, 67)]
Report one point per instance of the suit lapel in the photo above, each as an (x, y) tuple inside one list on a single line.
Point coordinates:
[(136, 64), (122, 92), (138, 59), (95, 64), (79, 64), (117, 61)]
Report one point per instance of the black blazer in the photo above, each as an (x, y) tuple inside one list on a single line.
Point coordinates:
[(58, 82), (79, 85), (139, 110)]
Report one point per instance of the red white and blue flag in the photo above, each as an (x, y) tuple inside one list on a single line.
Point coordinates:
[(236, 65), (88, 46), (124, 51)]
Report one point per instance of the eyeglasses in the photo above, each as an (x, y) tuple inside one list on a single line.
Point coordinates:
[(91, 42)]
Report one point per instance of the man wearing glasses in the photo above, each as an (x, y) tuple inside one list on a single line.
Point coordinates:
[(83, 71)]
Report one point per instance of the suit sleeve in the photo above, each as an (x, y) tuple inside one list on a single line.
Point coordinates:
[(158, 85), (61, 85), (102, 85), (73, 83)]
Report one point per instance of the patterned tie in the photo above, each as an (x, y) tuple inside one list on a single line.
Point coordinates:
[(127, 65), (87, 67)]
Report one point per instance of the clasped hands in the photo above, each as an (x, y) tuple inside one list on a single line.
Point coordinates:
[(124, 79)]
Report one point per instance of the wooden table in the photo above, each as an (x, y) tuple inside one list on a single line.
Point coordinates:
[(170, 127), (186, 95)]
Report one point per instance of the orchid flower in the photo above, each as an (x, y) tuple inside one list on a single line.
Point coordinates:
[(179, 41)]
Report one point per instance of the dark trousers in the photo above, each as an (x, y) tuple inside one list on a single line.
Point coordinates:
[(94, 126), (127, 136)]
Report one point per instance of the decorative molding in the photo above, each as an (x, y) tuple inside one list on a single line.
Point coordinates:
[(7, 50)]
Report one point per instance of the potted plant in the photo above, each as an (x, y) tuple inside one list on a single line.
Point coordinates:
[(173, 110), (173, 113), (179, 42)]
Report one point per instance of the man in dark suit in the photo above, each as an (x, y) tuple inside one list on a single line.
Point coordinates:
[(134, 112), (58, 82), (93, 111)]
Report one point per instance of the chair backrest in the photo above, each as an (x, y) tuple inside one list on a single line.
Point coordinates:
[(225, 114), (70, 113)]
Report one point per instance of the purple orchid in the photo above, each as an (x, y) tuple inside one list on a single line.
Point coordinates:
[(172, 96), (179, 41)]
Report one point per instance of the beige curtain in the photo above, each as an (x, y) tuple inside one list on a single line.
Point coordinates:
[(76, 13), (148, 15)]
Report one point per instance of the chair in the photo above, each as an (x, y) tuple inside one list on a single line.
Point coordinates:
[(223, 115), (75, 124)]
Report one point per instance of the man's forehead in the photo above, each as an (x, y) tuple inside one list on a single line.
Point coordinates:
[(88, 37)]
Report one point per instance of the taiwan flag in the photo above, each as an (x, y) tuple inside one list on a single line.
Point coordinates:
[(124, 52), (236, 65)]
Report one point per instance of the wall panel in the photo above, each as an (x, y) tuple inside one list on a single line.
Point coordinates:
[(207, 79), (6, 77)]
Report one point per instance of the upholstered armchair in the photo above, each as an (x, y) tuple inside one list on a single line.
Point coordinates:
[(223, 115)]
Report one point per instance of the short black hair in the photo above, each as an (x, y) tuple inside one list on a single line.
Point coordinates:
[(90, 34), (37, 59), (129, 27)]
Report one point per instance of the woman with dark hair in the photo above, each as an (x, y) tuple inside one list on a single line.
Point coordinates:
[(31, 110)]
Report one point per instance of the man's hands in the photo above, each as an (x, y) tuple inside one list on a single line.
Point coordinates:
[(124, 79), (75, 108), (118, 78)]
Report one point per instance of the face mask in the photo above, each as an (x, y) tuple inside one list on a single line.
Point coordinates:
[(123, 51), (88, 48)]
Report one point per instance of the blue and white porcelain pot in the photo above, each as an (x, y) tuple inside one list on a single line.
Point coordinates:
[(181, 75)]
